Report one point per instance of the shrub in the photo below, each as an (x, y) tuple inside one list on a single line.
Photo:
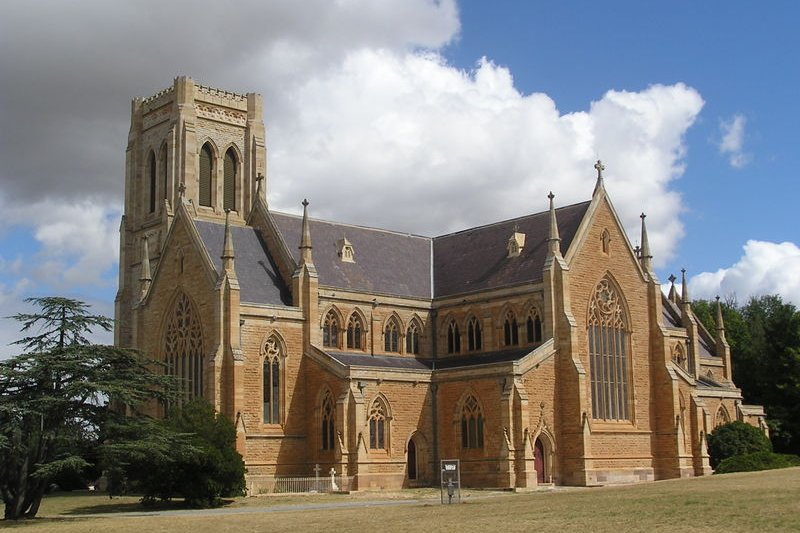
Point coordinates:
[(757, 461), (736, 438)]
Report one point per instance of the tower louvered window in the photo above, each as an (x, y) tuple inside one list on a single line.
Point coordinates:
[(206, 171), (608, 354), (229, 180), (151, 173), (163, 165), (272, 381), (183, 348)]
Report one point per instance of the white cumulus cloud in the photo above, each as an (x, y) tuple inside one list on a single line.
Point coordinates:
[(765, 268), (732, 142), (407, 141)]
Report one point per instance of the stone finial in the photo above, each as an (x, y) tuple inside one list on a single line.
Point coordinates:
[(259, 186), (145, 278), (181, 189), (673, 293), (305, 239), (720, 322), (599, 185), (684, 288), (646, 256), (553, 241), (227, 247)]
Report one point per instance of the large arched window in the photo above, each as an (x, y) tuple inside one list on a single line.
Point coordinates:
[(327, 422), (721, 417), (390, 336), (453, 338), (229, 180), (183, 347), (471, 424), (412, 338), (330, 331), (608, 353), (533, 327), (271, 373), (378, 425), (355, 333), (206, 172), (510, 330), (151, 176), (474, 335)]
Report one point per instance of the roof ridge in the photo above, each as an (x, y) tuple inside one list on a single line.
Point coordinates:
[(502, 222), (357, 226)]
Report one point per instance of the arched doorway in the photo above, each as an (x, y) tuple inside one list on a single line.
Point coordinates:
[(412, 460), (538, 460)]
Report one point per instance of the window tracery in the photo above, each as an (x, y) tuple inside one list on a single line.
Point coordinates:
[(330, 331), (474, 335), (183, 348), (453, 338), (355, 333), (533, 327), (412, 338), (510, 330), (608, 354), (471, 424), (390, 337), (271, 372), (377, 425)]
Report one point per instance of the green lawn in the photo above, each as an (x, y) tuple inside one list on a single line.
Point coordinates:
[(754, 501)]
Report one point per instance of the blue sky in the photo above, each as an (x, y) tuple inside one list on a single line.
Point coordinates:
[(477, 108)]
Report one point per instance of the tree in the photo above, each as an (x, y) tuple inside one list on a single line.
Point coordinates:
[(736, 438), (190, 454), (57, 393)]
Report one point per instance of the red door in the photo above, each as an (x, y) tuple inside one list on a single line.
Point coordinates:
[(538, 461)]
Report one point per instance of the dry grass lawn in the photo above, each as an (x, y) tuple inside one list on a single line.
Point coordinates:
[(757, 501)]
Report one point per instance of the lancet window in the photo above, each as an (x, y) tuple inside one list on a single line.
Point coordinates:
[(412, 338), (453, 338), (151, 175), (510, 330), (471, 424), (327, 422), (355, 333), (608, 354), (533, 327), (390, 337), (206, 172), (378, 425), (163, 165), (271, 372), (229, 180), (183, 348), (330, 331), (474, 335)]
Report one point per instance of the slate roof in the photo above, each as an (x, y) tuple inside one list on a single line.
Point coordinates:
[(476, 259), (259, 280), (386, 262)]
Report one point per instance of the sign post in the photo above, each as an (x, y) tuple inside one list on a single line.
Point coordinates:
[(451, 480)]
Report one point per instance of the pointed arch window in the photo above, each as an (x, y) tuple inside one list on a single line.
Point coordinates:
[(510, 330), (722, 417), (229, 180), (474, 335), (271, 373), (390, 336), (355, 333), (533, 327), (608, 354), (453, 338), (183, 348), (471, 424), (378, 422), (163, 166), (206, 172), (330, 331), (328, 434), (151, 175), (412, 338)]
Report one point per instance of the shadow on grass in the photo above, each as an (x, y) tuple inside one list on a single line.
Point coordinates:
[(111, 507)]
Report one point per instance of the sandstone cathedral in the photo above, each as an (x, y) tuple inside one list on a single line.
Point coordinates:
[(535, 350)]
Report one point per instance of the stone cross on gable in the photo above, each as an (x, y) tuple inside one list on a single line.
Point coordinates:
[(305, 202), (259, 178), (181, 189), (600, 168)]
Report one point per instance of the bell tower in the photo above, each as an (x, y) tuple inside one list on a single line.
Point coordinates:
[(187, 143)]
